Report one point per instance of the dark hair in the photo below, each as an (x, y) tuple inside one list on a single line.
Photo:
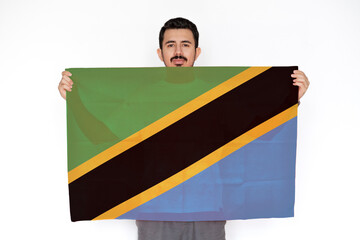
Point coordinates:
[(179, 23)]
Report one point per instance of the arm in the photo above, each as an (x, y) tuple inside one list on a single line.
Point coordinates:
[(94, 129)]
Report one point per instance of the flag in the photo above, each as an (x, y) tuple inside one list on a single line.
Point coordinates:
[(182, 144)]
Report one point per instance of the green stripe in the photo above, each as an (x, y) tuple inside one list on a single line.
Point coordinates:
[(147, 94)]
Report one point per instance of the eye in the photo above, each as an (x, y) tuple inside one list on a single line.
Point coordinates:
[(170, 45), (186, 45)]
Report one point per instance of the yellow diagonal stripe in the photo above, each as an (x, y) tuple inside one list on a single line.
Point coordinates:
[(200, 165), (164, 122)]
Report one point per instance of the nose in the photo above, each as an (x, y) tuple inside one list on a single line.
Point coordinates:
[(178, 50)]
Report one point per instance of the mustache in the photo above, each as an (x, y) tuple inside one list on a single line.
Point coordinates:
[(178, 57)]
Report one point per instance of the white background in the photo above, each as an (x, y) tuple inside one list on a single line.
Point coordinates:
[(39, 39)]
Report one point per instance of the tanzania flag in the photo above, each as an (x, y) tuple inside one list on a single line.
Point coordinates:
[(182, 144)]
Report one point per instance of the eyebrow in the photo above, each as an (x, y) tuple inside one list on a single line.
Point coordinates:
[(184, 41)]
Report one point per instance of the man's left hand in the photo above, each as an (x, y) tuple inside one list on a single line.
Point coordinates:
[(300, 80)]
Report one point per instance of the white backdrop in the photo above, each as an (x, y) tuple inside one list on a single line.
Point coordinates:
[(39, 39)]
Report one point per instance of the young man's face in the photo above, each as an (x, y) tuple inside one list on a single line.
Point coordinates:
[(178, 48)]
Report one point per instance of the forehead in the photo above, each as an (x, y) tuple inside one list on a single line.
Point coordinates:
[(178, 35)]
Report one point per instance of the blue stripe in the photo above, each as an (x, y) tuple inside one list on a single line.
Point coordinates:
[(256, 181)]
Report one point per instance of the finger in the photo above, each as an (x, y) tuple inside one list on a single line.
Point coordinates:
[(301, 85), (68, 79), (306, 83), (67, 73), (65, 86), (66, 83), (297, 71), (298, 83), (299, 80), (301, 73), (298, 74)]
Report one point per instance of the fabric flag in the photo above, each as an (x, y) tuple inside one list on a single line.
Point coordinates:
[(182, 144)]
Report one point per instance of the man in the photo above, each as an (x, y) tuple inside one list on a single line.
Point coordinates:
[(178, 47)]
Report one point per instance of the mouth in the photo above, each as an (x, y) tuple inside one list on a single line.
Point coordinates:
[(178, 61)]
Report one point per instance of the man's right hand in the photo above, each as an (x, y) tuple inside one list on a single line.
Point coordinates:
[(65, 83)]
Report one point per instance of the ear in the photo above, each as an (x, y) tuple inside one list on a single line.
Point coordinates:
[(159, 52), (197, 52)]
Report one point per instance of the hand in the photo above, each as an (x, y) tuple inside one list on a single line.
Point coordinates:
[(65, 83), (300, 80)]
